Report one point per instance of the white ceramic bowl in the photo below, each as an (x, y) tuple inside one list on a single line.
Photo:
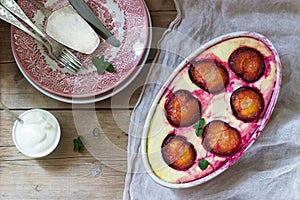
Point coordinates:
[(51, 144)]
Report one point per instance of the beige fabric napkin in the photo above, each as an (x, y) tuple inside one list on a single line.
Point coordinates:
[(270, 169)]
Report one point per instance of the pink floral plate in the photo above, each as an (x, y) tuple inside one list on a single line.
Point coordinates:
[(126, 19), (108, 94)]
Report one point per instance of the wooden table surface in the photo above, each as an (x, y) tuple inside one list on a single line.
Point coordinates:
[(64, 174)]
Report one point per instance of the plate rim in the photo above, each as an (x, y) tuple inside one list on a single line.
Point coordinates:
[(100, 97), (62, 97)]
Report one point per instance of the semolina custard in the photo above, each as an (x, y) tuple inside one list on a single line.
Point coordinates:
[(211, 109)]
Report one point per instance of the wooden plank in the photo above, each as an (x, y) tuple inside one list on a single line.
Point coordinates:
[(160, 23), (5, 47), (17, 93), (160, 5), (68, 178), (162, 19), (65, 170), (111, 139)]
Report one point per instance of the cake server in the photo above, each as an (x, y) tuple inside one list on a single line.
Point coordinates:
[(67, 27)]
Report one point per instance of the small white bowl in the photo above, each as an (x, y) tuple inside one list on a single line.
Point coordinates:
[(50, 145)]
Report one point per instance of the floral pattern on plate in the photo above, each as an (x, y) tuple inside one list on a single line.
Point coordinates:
[(128, 22)]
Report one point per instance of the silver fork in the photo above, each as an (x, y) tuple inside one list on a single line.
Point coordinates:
[(56, 50)]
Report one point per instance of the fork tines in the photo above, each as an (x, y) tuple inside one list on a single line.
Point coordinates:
[(70, 60)]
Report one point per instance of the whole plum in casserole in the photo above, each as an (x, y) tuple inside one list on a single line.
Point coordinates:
[(182, 109)]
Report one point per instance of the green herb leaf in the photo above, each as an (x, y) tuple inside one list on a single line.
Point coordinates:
[(102, 65), (199, 132), (203, 164), (98, 62), (199, 127), (110, 68), (78, 145)]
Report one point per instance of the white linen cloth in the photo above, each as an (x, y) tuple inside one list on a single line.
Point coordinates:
[(270, 168)]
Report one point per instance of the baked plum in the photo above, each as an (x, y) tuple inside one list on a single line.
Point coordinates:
[(247, 104), (178, 153), (182, 109), (247, 63), (209, 75), (220, 138)]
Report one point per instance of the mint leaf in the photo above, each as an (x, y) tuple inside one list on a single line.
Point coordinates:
[(102, 65), (203, 164), (99, 64), (199, 127), (110, 68), (78, 145), (199, 132), (196, 126), (201, 122)]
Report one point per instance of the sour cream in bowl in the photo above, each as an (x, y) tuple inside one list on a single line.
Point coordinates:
[(39, 135)]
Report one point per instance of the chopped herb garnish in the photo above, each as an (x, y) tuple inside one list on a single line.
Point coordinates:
[(199, 126), (203, 164), (102, 65), (78, 145)]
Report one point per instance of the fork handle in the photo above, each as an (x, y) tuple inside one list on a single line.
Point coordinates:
[(8, 17), (13, 7)]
